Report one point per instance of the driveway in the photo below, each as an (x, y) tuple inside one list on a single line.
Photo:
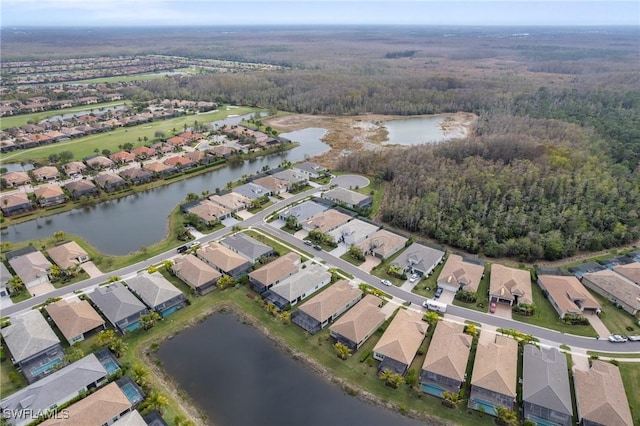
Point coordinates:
[(370, 262), (340, 250), (244, 214), (40, 289), (503, 310), (91, 269), (230, 221), (598, 325)]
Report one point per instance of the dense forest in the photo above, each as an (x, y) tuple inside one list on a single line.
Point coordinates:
[(551, 167)]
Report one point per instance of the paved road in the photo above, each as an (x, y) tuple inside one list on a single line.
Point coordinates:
[(258, 221)]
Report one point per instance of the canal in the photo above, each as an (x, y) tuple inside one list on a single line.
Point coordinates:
[(125, 225), (238, 377)]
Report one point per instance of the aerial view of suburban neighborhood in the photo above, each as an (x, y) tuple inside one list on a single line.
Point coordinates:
[(311, 213)]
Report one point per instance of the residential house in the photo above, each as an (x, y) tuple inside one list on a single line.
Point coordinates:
[(252, 191), (199, 157), (196, 274), (248, 247), (13, 179), (291, 176), (546, 397), (74, 318), (400, 342), (493, 382), (232, 201), (5, 277), (122, 157), (209, 212), (143, 152), (34, 346), (110, 182), (99, 162), (630, 271), (303, 211), (458, 274), (600, 396), (136, 176), (134, 418), (584, 268), (54, 390), (326, 221), (316, 313), (179, 163), (618, 289), (272, 273), (119, 306), (348, 198), (353, 232), (157, 292), (509, 285), (49, 195), (161, 148), (309, 169), (224, 260), (359, 323), (177, 141), (68, 255), (273, 184), (567, 295), (82, 188), (71, 133), (102, 407), (419, 259), (444, 367), (157, 168), (222, 151), (382, 244), (32, 268), (295, 288), (45, 173), (17, 202)]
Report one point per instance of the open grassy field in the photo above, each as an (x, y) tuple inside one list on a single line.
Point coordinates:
[(36, 117), (84, 147)]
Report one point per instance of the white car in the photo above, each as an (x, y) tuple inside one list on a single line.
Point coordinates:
[(413, 278), (386, 282), (616, 338), (635, 338)]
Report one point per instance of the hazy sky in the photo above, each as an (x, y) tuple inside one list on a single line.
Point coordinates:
[(241, 12)]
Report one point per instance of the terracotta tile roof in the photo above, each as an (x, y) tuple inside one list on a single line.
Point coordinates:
[(403, 337), (16, 178), (361, 320), (507, 283), (278, 269), (600, 395), (66, 255), (449, 350), (232, 201), (98, 408), (156, 167), (458, 272), (122, 157), (46, 172), (384, 243), (330, 301), (15, 199), (495, 366), (326, 221), (220, 256), (568, 293), (208, 211), (74, 318), (177, 161), (194, 271), (272, 183)]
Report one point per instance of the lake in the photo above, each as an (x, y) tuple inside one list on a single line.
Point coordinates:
[(125, 225), (238, 377), (415, 131)]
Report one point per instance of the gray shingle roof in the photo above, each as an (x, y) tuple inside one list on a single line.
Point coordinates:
[(116, 302), (153, 288), (296, 285), (304, 211), (246, 246), (58, 387), (545, 379), (420, 257), (28, 335)]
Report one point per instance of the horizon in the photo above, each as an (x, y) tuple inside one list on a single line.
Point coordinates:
[(205, 13)]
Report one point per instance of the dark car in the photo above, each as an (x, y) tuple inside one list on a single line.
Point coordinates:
[(317, 247), (182, 249), (438, 293)]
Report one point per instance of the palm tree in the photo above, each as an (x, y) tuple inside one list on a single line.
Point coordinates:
[(285, 316), (139, 374), (105, 337), (16, 286), (342, 350), (73, 354), (150, 319), (157, 401), (118, 347), (506, 417)]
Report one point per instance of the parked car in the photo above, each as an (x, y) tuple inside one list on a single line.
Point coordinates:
[(635, 338), (182, 249), (616, 338), (492, 307), (307, 242), (438, 293), (317, 247), (413, 278), (386, 282)]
